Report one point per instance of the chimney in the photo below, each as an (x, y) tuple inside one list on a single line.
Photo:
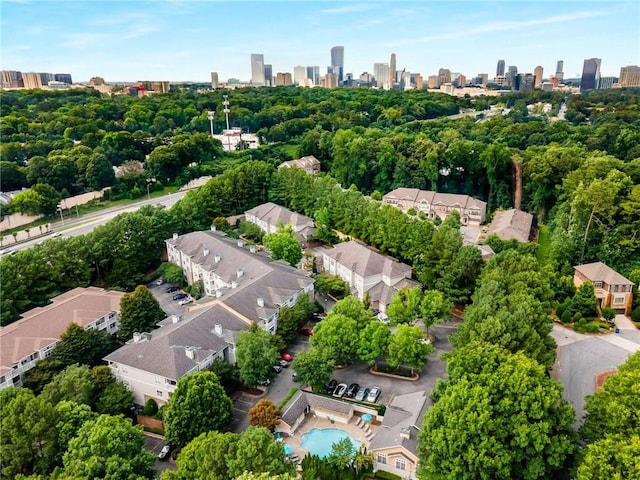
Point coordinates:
[(175, 318), (239, 272), (217, 329), (205, 251), (190, 352), (260, 301), (240, 243), (217, 258), (252, 248), (405, 433), (234, 284), (175, 236), (218, 293)]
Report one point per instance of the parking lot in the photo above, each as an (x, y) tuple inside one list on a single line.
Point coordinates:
[(154, 443), (165, 299), (435, 368)]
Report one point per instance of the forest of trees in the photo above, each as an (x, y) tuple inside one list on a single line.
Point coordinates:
[(580, 178)]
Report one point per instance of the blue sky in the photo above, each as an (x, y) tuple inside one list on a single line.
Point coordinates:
[(186, 40)]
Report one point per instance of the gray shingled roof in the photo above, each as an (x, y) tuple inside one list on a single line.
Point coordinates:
[(365, 262), (275, 215), (512, 224), (436, 198), (294, 408), (601, 272), (163, 352), (403, 412)]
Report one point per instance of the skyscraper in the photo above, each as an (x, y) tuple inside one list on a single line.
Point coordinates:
[(31, 80), (392, 70), (511, 75), (300, 75), (214, 80), (381, 74), (12, 78), (337, 60), (444, 76), (630, 76), (313, 74), (590, 74), (500, 69), (257, 69), (268, 75), (63, 77), (537, 76), (559, 72)]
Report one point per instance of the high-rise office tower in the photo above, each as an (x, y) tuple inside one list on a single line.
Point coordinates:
[(257, 69), (559, 72), (381, 74), (524, 82), (12, 79), (392, 70), (214, 79), (590, 74), (63, 77), (432, 81), (31, 80), (500, 69), (337, 60), (511, 75), (630, 76), (313, 74), (607, 82), (300, 75), (268, 75), (537, 74), (283, 79), (444, 76)]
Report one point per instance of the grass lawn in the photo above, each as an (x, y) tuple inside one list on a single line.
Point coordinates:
[(544, 244), (291, 150)]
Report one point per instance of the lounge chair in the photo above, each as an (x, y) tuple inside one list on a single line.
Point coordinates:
[(359, 422)]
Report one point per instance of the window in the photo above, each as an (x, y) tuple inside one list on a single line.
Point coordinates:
[(158, 381), (159, 393), (597, 284), (170, 382), (401, 464), (381, 458), (618, 300)]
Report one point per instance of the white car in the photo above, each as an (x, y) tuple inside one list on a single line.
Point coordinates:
[(185, 301), (374, 394), (340, 390), (56, 235)]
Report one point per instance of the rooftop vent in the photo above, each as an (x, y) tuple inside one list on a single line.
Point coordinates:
[(213, 228), (217, 258), (252, 248), (175, 318), (260, 301), (217, 329), (405, 433), (175, 236), (239, 272), (205, 251), (190, 352)]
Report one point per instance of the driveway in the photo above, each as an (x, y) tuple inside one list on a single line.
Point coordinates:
[(153, 443), (170, 306), (580, 358)]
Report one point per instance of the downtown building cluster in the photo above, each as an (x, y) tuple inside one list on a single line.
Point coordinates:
[(17, 79)]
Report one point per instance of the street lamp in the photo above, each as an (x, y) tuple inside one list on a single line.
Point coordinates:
[(148, 194), (210, 115)]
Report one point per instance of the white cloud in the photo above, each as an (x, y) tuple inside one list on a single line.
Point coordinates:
[(494, 27), (83, 39), (353, 8)]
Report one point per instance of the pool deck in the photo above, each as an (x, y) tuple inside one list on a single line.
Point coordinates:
[(312, 421)]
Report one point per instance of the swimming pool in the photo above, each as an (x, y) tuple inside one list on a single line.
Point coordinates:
[(319, 441)]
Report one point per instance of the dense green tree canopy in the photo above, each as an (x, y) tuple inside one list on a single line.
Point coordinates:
[(314, 367), (256, 353), (139, 312), (198, 404), (257, 451), (498, 416)]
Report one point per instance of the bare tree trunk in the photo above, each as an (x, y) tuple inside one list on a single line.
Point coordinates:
[(517, 188), (586, 233)]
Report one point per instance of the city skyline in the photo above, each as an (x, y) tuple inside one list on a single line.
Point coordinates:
[(185, 41)]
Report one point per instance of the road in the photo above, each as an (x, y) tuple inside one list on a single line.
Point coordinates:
[(75, 226)]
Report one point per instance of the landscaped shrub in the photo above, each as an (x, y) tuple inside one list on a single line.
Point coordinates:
[(150, 408), (560, 311), (386, 475), (608, 314), (566, 316), (635, 315), (577, 317), (585, 326)]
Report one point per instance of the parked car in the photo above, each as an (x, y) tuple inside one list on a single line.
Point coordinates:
[(352, 390), (283, 363), (164, 453), (374, 394), (179, 296), (185, 301), (286, 356), (265, 382), (340, 390), (362, 394), (172, 289), (331, 386), (318, 317), (306, 331), (277, 368), (160, 281), (294, 376)]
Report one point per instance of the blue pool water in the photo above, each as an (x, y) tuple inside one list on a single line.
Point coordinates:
[(319, 441)]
